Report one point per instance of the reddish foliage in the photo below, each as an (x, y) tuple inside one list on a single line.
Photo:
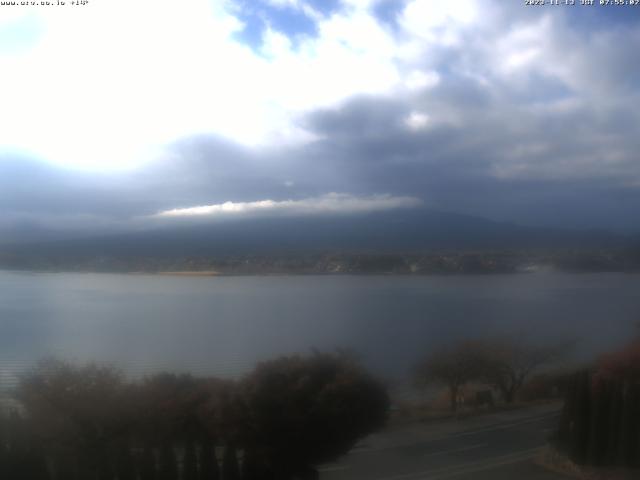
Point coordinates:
[(621, 365)]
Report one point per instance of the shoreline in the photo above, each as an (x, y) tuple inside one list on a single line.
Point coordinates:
[(216, 273), (184, 273)]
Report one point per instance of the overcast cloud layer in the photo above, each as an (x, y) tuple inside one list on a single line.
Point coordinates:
[(111, 120)]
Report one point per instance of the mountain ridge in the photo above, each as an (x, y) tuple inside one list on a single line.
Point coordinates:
[(409, 241)]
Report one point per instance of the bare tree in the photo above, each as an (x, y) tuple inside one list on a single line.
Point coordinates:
[(507, 363), (453, 366)]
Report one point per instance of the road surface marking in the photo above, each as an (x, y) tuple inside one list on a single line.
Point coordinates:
[(456, 450), (503, 426), (488, 466), (499, 426), (333, 469), (471, 467)]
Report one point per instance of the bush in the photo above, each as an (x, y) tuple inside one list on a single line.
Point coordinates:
[(600, 422), (287, 416), (546, 386), (303, 411)]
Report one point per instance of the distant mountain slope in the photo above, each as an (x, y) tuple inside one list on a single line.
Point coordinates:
[(399, 231)]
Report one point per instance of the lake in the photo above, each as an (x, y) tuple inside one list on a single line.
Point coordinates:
[(223, 325)]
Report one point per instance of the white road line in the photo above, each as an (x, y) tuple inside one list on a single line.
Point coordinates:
[(456, 450), (471, 467), (333, 469), (487, 466), (501, 426)]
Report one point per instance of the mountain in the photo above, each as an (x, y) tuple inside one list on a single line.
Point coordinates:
[(410, 231)]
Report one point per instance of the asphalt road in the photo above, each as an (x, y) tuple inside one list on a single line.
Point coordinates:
[(494, 446)]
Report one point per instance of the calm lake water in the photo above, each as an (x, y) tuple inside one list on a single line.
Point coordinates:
[(223, 325)]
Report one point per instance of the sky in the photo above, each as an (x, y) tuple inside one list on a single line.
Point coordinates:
[(118, 115)]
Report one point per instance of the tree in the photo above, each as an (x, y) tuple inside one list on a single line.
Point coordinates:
[(77, 410), (251, 466), (600, 420), (167, 407), (167, 465), (209, 469), (147, 464), (230, 467), (507, 363), (453, 366), (190, 462), (303, 411), (20, 455), (623, 364), (222, 415), (124, 464)]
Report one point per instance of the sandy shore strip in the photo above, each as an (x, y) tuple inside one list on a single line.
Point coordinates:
[(197, 273)]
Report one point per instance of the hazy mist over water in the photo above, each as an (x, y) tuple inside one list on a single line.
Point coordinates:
[(223, 325)]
